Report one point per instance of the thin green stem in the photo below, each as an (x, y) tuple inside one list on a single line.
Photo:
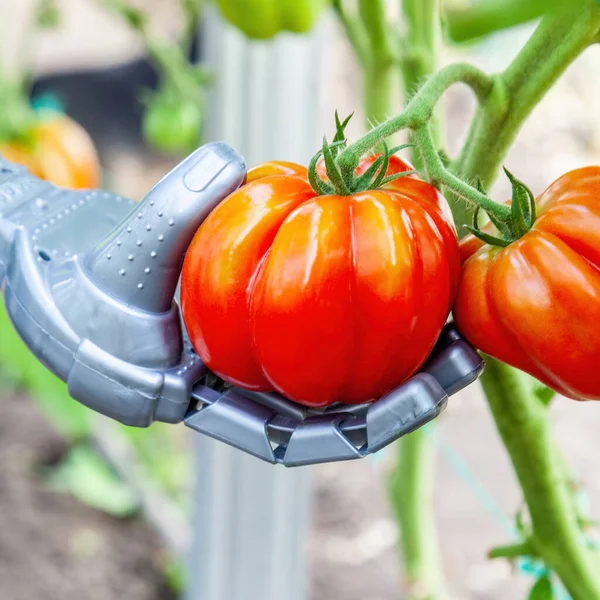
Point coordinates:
[(192, 9), (522, 421), (440, 175), (420, 109), (374, 18), (513, 550)]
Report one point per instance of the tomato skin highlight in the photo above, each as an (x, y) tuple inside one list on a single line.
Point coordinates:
[(535, 304), (322, 298), (61, 151)]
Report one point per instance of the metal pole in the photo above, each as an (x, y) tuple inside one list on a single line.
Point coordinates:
[(252, 519)]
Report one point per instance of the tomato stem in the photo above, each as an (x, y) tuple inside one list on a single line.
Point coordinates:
[(417, 117)]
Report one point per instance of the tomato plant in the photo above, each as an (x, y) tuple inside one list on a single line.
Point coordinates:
[(324, 297), (534, 303)]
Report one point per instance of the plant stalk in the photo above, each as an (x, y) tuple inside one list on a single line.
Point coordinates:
[(411, 486)]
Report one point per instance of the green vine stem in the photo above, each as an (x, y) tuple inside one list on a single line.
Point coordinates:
[(522, 421), (481, 17), (420, 47), (417, 116)]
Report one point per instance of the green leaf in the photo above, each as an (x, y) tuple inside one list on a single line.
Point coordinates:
[(542, 590), (333, 173), (363, 182), (523, 205), (501, 226), (395, 176), (384, 168), (340, 128), (321, 187), (487, 238), (85, 475)]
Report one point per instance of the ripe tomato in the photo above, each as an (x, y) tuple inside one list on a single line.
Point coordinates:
[(536, 303), (322, 298), (60, 151)]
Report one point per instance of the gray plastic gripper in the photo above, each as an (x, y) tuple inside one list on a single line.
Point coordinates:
[(89, 280)]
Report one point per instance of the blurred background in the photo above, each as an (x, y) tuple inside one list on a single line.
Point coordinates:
[(89, 509)]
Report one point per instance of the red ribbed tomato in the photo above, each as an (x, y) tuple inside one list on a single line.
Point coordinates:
[(536, 303), (322, 298)]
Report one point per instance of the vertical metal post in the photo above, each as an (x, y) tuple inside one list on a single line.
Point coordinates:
[(252, 519)]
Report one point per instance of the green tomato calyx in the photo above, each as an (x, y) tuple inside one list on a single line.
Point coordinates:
[(520, 220), (343, 181)]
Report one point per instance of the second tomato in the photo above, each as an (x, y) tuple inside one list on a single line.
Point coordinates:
[(535, 304)]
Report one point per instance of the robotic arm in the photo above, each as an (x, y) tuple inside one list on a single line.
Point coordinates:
[(89, 280)]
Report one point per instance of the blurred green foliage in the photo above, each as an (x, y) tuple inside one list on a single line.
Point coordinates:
[(465, 21)]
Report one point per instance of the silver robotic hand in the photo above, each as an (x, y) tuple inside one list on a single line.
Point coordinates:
[(89, 280)]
